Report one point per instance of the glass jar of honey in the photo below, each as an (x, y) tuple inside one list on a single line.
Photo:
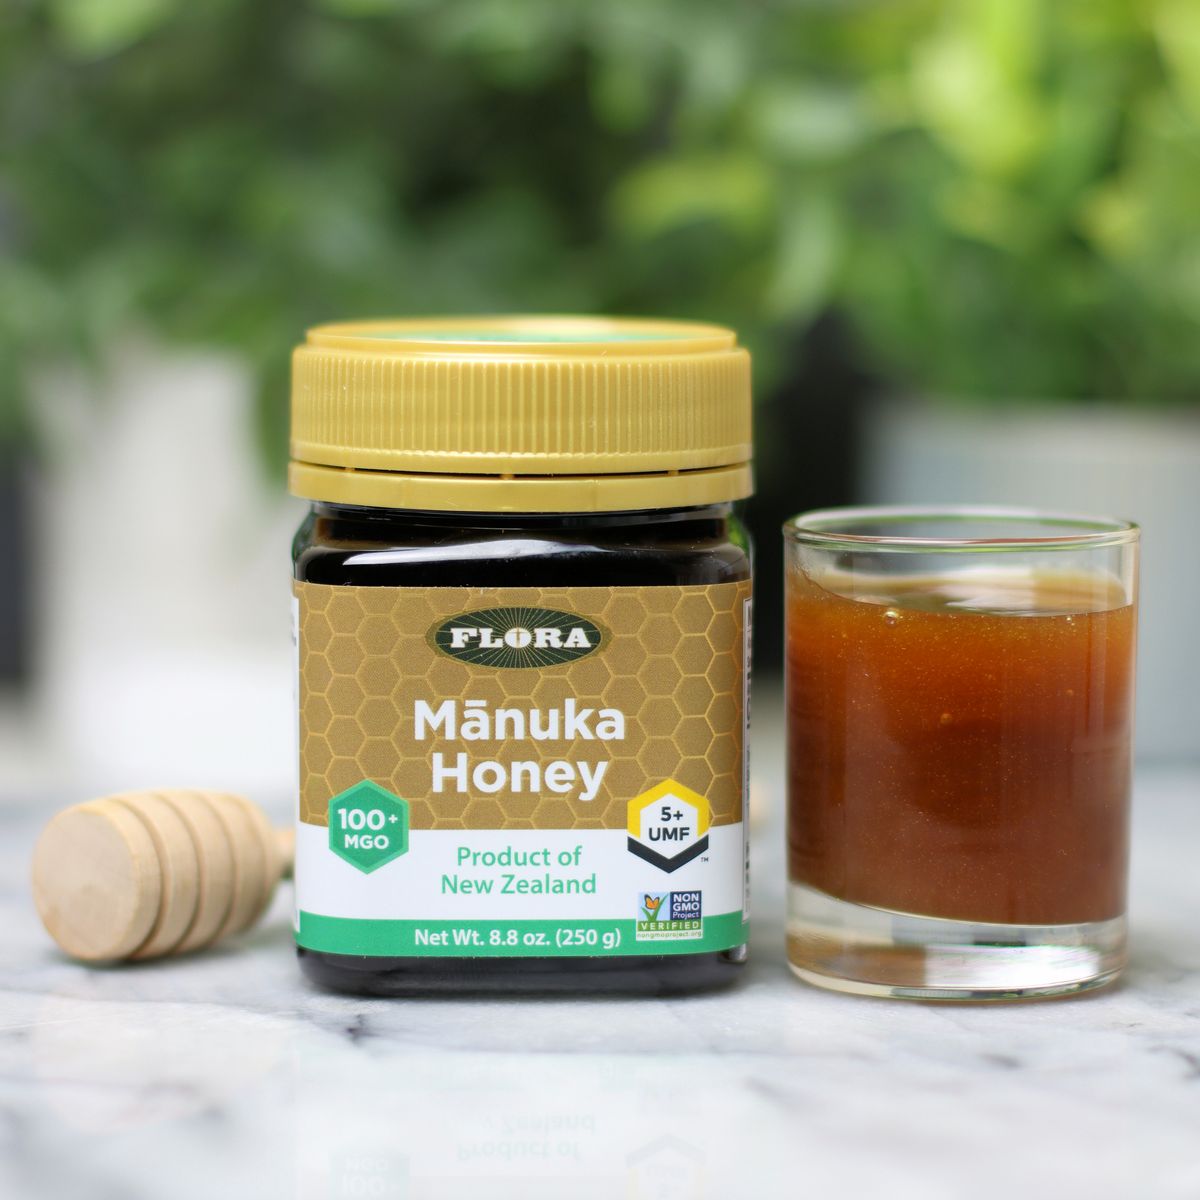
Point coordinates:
[(522, 620), (960, 707)]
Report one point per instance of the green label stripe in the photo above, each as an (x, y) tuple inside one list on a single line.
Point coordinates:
[(506, 939)]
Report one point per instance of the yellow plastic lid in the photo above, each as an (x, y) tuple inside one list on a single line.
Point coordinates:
[(521, 414)]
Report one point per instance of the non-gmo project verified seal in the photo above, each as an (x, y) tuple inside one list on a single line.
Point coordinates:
[(669, 915)]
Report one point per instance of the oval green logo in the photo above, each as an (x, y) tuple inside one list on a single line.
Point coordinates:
[(517, 637)]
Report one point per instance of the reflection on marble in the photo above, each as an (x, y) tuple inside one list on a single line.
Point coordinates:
[(227, 1076)]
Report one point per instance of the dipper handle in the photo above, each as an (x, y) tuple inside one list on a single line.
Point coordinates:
[(148, 874)]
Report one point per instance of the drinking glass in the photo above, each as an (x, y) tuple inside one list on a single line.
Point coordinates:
[(959, 710)]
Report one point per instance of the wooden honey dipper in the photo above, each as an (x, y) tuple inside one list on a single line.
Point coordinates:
[(148, 874)]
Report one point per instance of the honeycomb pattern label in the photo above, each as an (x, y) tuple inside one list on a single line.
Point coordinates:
[(673, 663)]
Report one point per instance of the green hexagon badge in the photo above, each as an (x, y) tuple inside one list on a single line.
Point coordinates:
[(368, 826)]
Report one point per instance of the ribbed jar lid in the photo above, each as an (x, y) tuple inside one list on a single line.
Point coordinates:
[(521, 413)]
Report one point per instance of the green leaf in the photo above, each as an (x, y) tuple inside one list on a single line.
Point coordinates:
[(370, 8), (1177, 26), (973, 81), (808, 250), (797, 120), (96, 28), (732, 189)]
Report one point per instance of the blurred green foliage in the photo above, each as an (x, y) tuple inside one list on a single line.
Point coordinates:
[(1034, 231), (1002, 195)]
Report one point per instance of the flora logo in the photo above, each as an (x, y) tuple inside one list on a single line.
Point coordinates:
[(517, 637)]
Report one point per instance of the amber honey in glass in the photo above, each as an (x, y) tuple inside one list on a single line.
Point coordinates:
[(959, 713)]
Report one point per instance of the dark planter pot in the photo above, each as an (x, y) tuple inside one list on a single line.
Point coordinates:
[(14, 573)]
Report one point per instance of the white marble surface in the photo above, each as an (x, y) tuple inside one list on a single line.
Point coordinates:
[(227, 1076)]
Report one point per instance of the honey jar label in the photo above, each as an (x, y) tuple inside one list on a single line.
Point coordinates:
[(522, 771)]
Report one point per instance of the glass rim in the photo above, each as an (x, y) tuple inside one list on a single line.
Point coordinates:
[(818, 527)]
